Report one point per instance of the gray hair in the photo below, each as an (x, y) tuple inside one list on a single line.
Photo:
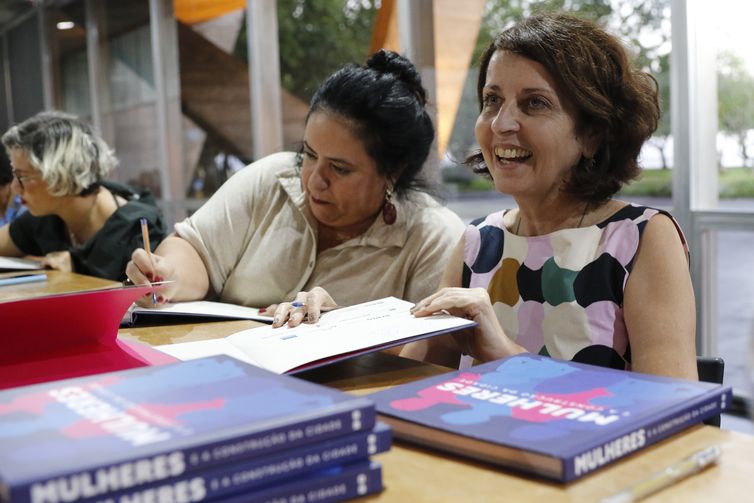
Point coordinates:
[(72, 158)]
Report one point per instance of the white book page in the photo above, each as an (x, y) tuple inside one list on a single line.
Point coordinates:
[(375, 323), (18, 264), (198, 349)]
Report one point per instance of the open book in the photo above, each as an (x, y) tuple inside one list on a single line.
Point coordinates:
[(201, 310), (69, 335), (338, 335)]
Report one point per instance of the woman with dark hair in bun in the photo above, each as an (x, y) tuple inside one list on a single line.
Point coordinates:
[(345, 216)]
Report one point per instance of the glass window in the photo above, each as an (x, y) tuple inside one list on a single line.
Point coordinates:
[(215, 97), (130, 110), (25, 78), (735, 305), (4, 111), (67, 37), (735, 85)]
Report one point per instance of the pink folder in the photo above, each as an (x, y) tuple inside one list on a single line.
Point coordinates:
[(69, 335)]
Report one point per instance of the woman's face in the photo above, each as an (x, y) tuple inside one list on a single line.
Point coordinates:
[(30, 185), (344, 189), (526, 129)]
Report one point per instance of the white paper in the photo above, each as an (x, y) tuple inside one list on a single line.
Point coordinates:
[(199, 349), (372, 324), (201, 308), (18, 264)]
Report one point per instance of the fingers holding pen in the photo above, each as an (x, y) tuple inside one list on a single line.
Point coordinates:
[(144, 269), (141, 269)]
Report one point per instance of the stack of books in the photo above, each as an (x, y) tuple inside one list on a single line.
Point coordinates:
[(212, 429)]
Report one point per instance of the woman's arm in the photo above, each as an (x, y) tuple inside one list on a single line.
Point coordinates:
[(659, 307), (173, 260)]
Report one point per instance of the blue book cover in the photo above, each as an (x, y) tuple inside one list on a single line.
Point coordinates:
[(550, 418), (247, 477), (339, 483), (89, 436)]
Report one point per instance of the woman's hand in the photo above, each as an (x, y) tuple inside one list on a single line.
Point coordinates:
[(142, 270), (59, 260), (307, 306), (487, 341)]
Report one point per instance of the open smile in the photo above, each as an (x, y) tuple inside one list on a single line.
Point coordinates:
[(511, 155)]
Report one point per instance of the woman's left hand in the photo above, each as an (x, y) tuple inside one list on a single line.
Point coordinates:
[(307, 306), (488, 341), (59, 260)]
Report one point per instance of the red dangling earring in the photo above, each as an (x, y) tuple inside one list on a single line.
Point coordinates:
[(389, 213)]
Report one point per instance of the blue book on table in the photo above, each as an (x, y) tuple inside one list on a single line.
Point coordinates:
[(551, 418), (90, 436)]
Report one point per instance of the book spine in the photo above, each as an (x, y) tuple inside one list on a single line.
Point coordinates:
[(648, 434), (251, 476), (345, 483), (174, 462)]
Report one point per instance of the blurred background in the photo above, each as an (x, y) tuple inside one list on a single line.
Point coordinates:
[(190, 91)]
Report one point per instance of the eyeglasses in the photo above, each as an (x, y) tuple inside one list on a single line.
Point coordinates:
[(23, 178)]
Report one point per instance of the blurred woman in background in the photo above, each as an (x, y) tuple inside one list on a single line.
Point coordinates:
[(76, 220), (10, 201)]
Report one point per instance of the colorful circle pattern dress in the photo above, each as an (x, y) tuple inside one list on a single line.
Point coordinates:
[(561, 294)]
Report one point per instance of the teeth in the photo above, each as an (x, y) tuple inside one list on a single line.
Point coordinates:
[(511, 153)]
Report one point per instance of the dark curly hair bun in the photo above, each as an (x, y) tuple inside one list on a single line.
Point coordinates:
[(385, 61)]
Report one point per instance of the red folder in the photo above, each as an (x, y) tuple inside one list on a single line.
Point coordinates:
[(69, 335)]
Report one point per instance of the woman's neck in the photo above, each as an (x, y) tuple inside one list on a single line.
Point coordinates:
[(528, 222), (330, 237), (543, 218), (85, 216)]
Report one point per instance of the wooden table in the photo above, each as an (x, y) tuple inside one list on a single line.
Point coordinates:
[(57, 282), (418, 475)]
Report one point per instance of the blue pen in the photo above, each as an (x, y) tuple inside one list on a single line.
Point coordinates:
[(23, 278)]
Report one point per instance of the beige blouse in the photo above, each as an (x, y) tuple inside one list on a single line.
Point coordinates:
[(258, 241)]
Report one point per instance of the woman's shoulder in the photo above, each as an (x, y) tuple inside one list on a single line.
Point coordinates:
[(261, 175), (29, 224), (632, 220), (127, 217), (636, 213), (272, 166)]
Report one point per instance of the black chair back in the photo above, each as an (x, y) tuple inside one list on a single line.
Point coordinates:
[(711, 369)]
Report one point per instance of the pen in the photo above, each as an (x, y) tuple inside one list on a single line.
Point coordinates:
[(670, 475), (145, 238), (23, 278)]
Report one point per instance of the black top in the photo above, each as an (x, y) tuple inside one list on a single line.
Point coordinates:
[(106, 254)]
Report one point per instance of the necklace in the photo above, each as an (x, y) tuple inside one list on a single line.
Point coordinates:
[(581, 220)]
